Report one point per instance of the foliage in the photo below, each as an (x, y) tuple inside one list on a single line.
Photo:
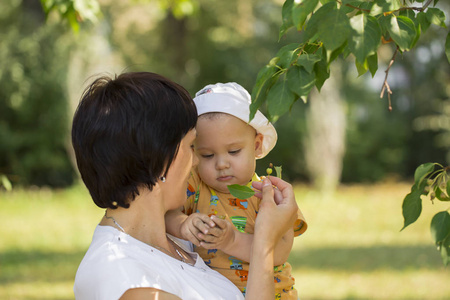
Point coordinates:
[(74, 11), (33, 117), (330, 29), (334, 28), (77, 12), (435, 184)]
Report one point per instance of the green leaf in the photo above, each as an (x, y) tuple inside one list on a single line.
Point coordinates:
[(312, 27), (308, 61), (423, 20), (448, 187), (422, 171), (71, 16), (361, 68), (409, 13), (333, 54), (445, 251), (259, 90), (240, 191), (372, 61), (447, 46), (365, 37), (401, 29), (436, 16), (440, 226), (280, 98), (412, 204), (322, 73), (439, 194), (278, 170), (287, 55), (301, 11), (286, 13), (334, 27), (383, 6), (418, 33), (300, 81)]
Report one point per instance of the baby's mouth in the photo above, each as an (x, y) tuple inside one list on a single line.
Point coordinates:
[(225, 178)]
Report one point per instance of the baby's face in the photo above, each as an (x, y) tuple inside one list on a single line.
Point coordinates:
[(226, 147)]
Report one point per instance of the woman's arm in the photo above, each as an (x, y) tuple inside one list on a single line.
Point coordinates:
[(147, 294), (276, 215)]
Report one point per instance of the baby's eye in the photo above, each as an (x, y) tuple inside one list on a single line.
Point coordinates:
[(206, 155), (234, 151)]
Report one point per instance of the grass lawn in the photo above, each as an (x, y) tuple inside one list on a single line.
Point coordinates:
[(352, 249)]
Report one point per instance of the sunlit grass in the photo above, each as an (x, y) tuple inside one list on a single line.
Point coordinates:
[(352, 250), (44, 235)]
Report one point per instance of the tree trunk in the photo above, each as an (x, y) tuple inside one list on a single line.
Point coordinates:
[(325, 139)]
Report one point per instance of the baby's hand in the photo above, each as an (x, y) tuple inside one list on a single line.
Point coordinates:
[(219, 237), (194, 225)]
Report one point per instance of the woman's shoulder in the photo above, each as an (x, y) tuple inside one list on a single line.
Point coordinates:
[(116, 262), (113, 264)]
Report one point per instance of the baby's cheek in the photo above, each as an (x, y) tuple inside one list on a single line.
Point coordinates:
[(204, 171)]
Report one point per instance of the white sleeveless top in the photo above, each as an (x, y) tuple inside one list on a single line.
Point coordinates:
[(116, 262)]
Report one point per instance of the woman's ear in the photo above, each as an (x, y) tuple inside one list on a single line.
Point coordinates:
[(258, 144)]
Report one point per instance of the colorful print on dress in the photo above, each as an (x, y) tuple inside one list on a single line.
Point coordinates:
[(242, 274), (214, 199), (190, 191), (212, 251), (239, 222), (242, 204), (235, 264)]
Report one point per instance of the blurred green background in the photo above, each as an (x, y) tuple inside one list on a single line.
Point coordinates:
[(348, 156)]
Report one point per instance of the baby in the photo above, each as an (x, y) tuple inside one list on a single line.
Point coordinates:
[(227, 146)]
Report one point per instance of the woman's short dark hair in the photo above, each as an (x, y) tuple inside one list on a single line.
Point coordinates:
[(126, 132)]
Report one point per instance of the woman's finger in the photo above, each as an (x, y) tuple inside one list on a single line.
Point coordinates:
[(267, 191), (281, 185)]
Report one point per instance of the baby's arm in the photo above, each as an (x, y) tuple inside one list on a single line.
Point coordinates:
[(188, 227), (239, 244)]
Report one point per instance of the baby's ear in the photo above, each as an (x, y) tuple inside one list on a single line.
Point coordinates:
[(258, 144)]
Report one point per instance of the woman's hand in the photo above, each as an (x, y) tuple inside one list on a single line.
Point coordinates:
[(277, 210), (277, 214)]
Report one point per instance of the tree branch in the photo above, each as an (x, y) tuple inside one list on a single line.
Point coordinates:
[(385, 83), (426, 5)]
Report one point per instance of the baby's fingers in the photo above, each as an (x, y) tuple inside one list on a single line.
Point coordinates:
[(208, 238), (203, 223)]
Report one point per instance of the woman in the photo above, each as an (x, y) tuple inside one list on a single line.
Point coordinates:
[(133, 139)]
